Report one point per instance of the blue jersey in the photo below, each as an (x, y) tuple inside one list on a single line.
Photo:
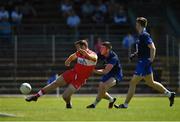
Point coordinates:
[(144, 67), (144, 40), (116, 71)]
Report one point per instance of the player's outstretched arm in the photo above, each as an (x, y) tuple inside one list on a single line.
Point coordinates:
[(71, 58), (106, 70)]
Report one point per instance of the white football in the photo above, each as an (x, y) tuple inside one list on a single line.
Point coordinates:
[(25, 88)]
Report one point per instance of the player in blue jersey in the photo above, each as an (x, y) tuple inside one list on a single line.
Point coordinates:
[(146, 53), (111, 74)]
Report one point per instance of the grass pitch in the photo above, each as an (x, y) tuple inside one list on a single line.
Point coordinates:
[(52, 108)]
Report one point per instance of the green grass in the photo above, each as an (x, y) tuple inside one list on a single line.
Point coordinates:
[(52, 108)]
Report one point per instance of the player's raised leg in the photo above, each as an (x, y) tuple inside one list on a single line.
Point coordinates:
[(149, 79), (132, 87), (67, 95), (59, 82)]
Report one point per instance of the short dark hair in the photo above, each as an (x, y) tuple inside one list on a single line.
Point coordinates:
[(107, 44), (142, 21), (82, 43)]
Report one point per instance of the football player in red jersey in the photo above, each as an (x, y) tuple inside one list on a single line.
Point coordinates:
[(74, 78)]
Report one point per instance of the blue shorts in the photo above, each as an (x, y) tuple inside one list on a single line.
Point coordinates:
[(106, 77), (143, 67)]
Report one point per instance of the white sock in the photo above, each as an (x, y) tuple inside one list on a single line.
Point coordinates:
[(40, 93), (96, 102), (69, 103), (167, 93), (111, 99), (126, 105)]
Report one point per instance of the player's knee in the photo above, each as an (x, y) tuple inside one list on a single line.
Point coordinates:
[(60, 81), (55, 83), (63, 96), (102, 86)]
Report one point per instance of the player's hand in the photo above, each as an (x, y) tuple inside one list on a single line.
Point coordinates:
[(67, 63), (132, 56), (151, 61), (83, 52)]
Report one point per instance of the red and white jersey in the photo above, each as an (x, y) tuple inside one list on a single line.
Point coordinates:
[(85, 66)]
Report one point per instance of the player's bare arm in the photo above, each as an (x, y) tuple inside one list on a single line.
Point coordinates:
[(152, 51), (71, 58), (91, 57), (106, 70)]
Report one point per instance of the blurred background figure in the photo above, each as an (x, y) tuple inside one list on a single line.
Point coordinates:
[(16, 16), (5, 26), (102, 7), (120, 16), (97, 44), (73, 20), (87, 9), (128, 41), (5, 31), (4, 15), (65, 7)]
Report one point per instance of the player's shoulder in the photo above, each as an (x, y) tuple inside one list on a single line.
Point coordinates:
[(145, 34), (113, 55), (91, 52)]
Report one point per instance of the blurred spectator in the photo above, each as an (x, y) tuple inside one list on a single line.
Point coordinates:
[(4, 15), (16, 16), (28, 10), (100, 12), (5, 31), (120, 16), (128, 41), (87, 8), (102, 7), (97, 44), (65, 7), (73, 19)]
